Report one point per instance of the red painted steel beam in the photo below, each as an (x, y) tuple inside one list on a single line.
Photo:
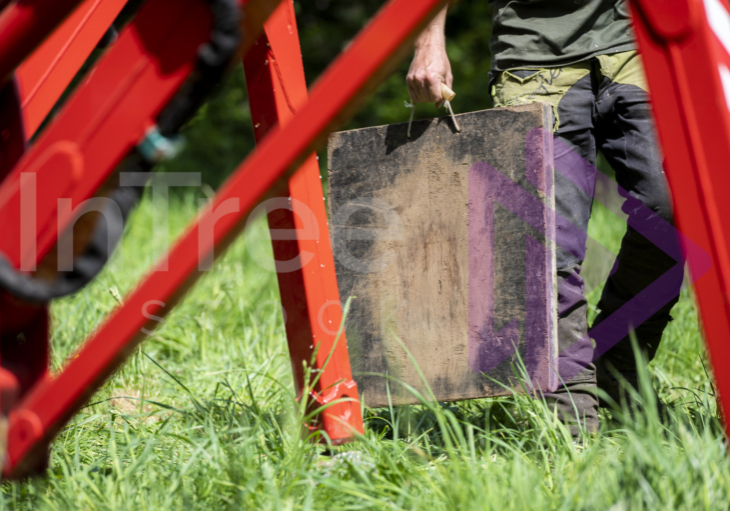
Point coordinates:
[(103, 121), (77, 153), (310, 297), (106, 117), (44, 75), (24, 24), (371, 57), (683, 52), (98, 126)]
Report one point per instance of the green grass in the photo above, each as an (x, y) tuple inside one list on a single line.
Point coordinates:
[(203, 417)]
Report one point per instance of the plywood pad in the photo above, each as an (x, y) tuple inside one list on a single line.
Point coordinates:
[(443, 243)]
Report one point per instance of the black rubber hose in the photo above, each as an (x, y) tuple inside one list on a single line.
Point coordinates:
[(214, 58), (87, 265)]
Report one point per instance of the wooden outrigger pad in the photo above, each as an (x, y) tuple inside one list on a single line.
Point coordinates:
[(444, 242)]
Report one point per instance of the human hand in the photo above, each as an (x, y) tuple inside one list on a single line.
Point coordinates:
[(430, 67)]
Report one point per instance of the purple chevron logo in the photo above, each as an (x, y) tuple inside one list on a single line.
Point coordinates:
[(487, 186)]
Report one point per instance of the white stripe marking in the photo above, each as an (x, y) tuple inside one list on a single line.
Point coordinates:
[(725, 77), (719, 19)]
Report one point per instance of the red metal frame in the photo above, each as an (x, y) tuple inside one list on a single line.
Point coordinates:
[(24, 24), (153, 64), (309, 295), (53, 400), (682, 57), (44, 75), (106, 117), (103, 121), (685, 62)]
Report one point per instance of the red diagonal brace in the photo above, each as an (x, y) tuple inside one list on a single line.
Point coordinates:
[(44, 75), (371, 57), (106, 118), (24, 24)]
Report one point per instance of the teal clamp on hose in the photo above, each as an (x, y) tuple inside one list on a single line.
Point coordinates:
[(155, 147)]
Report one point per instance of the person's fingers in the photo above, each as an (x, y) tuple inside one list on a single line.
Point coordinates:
[(434, 89), (424, 81), (411, 91), (415, 93), (420, 86), (449, 81), (414, 88)]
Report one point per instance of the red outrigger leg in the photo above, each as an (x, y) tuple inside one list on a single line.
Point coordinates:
[(685, 46), (308, 285)]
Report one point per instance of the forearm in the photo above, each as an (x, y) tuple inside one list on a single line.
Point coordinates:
[(433, 34), (430, 66)]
